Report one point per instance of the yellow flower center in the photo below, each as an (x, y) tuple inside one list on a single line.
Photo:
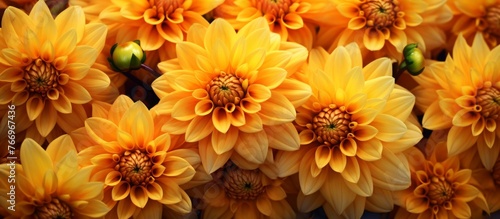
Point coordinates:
[(493, 19), (276, 8), (165, 7), (53, 210), (226, 89), (496, 172), (135, 167), (440, 191), (242, 184), (380, 13), (40, 77), (332, 125), (488, 101)]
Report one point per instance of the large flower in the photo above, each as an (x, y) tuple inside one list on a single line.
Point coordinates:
[(352, 131), (141, 167), (471, 17), (293, 20), (154, 22), (46, 68), (241, 193), (463, 93), (50, 184), (440, 188), (385, 27), (231, 90)]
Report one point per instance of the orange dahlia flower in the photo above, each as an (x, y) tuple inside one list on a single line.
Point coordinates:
[(50, 184), (232, 92), (440, 188), (46, 68), (385, 27), (462, 94), (471, 17), (141, 167), (352, 130), (241, 193), (154, 22), (294, 20)]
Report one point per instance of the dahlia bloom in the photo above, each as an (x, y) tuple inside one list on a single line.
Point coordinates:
[(142, 168), (352, 130), (46, 69), (242, 193), (50, 184), (385, 27), (440, 188), (154, 22), (471, 17), (462, 94), (293, 20), (232, 92)]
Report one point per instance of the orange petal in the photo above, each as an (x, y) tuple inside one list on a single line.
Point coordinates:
[(277, 110), (224, 142), (308, 184), (47, 122), (184, 109), (76, 93), (373, 39), (252, 146), (125, 208), (338, 160), (34, 106), (351, 172), (120, 191), (460, 209), (264, 205), (369, 150), (293, 21), (322, 156), (349, 147), (211, 161), (459, 139), (113, 178), (417, 205), (356, 23), (12, 74), (221, 120), (139, 196)]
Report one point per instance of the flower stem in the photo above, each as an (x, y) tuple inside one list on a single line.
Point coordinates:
[(151, 70)]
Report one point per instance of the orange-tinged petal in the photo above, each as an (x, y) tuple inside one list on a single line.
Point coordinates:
[(348, 147), (150, 37), (488, 155), (76, 93), (258, 93), (62, 104), (120, 191), (277, 110), (34, 106), (125, 208), (252, 146), (47, 122), (184, 109), (322, 156), (221, 120), (460, 209), (351, 171), (72, 18), (139, 196), (264, 205), (211, 160), (356, 23), (138, 122), (309, 184), (199, 128), (392, 172), (459, 139), (283, 137), (336, 193), (417, 205), (373, 39), (306, 136), (12, 74), (466, 193), (465, 117), (389, 128), (293, 21), (249, 106), (224, 142), (364, 186), (369, 150), (338, 161), (271, 77), (275, 193), (113, 178)]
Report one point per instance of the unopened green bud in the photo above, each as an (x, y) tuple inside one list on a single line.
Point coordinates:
[(127, 56), (413, 59)]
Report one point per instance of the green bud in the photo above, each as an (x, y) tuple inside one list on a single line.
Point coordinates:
[(127, 56), (413, 59)]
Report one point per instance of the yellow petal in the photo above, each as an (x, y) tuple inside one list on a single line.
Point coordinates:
[(364, 186), (252, 146), (391, 172), (199, 128), (322, 156), (47, 122), (56, 152), (125, 208), (113, 178), (211, 160), (370, 150), (459, 139), (351, 172), (120, 191), (309, 184), (338, 161), (139, 196), (277, 110), (72, 18), (62, 104), (34, 107), (293, 21), (348, 147), (11, 74), (417, 205), (102, 131), (460, 209), (150, 37), (373, 39), (35, 161), (389, 128), (336, 193), (184, 109), (356, 23), (264, 205), (488, 155), (224, 142), (76, 93)]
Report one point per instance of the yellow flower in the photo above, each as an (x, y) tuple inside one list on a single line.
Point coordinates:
[(352, 131), (50, 184), (462, 94), (141, 167), (440, 188), (231, 90), (293, 20), (46, 68), (155, 21), (471, 17), (241, 193), (385, 27)]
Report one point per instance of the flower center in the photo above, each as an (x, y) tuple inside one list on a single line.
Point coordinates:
[(165, 7), (332, 125), (380, 13), (488, 100), (496, 172), (242, 184), (493, 19), (40, 77), (226, 89), (55, 209), (440, 191), (277, 8), (135, 167)]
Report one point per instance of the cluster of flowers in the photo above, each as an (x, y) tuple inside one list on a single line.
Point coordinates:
[(251, 108)]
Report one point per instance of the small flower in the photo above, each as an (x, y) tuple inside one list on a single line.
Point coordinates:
[(50, 184), (241, 193), (127, 56), (439, 189), (462, 94), (142, 168)]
